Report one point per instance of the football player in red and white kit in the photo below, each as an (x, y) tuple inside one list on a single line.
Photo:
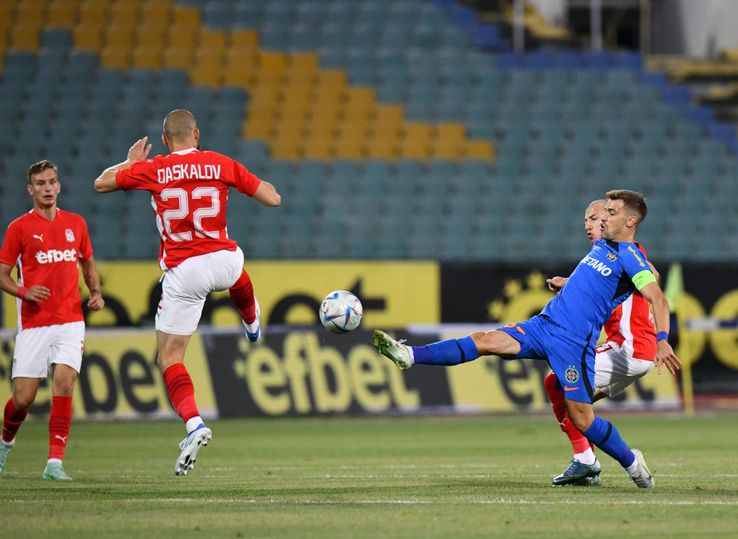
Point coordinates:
[(627, 354), (46, 244), (189, 191)]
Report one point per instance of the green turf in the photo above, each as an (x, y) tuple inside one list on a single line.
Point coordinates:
[(383, 477)]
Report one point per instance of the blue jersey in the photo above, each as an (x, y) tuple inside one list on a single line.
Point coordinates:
[(602, 281)]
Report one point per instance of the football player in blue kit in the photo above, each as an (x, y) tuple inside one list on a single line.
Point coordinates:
[(566, 331)]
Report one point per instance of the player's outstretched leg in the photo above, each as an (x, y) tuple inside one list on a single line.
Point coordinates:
[(400, 354), (579, 475), (242, 295), (449, 352), (642, 476)]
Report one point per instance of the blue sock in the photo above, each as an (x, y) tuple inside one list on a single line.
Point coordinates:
[(449, 352), (605, 436)]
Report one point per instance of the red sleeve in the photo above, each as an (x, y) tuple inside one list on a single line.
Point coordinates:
[(642, 250), (243, 180), (85, 245), (139, 176), (11, 248)]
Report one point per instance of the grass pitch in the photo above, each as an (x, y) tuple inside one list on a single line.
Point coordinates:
[(371, 477)]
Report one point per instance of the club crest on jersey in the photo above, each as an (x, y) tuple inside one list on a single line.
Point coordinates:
[(69, 233), (571, 374), (612, 256)]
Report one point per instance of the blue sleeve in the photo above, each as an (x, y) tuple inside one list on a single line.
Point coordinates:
[(635, 265)]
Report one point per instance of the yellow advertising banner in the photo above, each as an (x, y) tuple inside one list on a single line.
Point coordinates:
[(120, 378), (393, 293)]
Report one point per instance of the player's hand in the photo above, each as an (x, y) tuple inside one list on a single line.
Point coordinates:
[(139, 151), (96, 301), (37, 293), (556, 283), (665, 356)]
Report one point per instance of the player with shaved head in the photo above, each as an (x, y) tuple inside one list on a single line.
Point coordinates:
[(626, 355), (565, 333), (189, 190)]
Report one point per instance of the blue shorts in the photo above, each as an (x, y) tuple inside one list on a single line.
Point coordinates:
[(571, 358)]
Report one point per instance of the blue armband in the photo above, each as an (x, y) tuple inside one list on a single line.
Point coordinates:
[(662, 336)]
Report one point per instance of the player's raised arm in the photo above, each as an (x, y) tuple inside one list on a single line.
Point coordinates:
[(105, 183), (664, 354)]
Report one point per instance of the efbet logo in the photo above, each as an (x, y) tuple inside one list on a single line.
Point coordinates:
[(54, 255)]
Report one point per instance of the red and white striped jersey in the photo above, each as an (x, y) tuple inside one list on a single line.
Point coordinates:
[(189, 192), (631, 326)]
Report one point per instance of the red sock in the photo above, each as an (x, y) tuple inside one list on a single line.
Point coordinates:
[(242, 295), (181, 391), (578, 441), (12, 421), (59, 423)]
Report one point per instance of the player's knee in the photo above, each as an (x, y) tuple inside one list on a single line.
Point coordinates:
[(581, 421), (23, 401)]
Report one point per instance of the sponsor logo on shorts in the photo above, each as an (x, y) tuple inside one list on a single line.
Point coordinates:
[(54, 255), (69, 233), (520, 329), (572, 375), (567, 388)]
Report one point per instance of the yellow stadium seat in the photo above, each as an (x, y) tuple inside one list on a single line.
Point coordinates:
[(379, 148), (207, 74), (156, 10), (241, 75), (212, 39), (148, 34), (147, 57), (24, 38), (419, 131), (62, 13), (186, 17), (450, 131), (263, 111), (88, 38), (244, 40), (257, 128), (213, 57), (119, 36), (390, 133), (272, 62), (289, 151), (116, 57), (177, 58), (388, 115), (323, 130), (7, 12), (322, 150), (332, 78), (181, 37), (304, 62), (413, 149), (441, 149), (93, 13), (354, 131), (479, 149), (124, 11), (30, 12), (349, 149)]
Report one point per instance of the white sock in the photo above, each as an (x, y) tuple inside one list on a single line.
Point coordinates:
[(410, 353), (7, 444), (633, 468), (193, 423), (51, 461), (586, 457)]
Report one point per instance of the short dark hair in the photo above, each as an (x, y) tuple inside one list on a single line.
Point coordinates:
[(632, 200), (39, 167)]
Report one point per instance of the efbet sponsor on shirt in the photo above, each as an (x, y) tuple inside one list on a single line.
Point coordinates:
[(188, 172), (599, 266), (54, 255)]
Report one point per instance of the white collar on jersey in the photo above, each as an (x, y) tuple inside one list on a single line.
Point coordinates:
[(188, 150)]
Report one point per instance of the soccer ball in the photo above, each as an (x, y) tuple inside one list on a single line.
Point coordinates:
[(340, 312)]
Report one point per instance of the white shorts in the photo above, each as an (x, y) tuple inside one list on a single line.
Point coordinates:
[(36, 349), (615, 369), (186, 286)]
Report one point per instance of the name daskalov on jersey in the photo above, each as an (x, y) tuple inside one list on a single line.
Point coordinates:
[(188, 171)]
